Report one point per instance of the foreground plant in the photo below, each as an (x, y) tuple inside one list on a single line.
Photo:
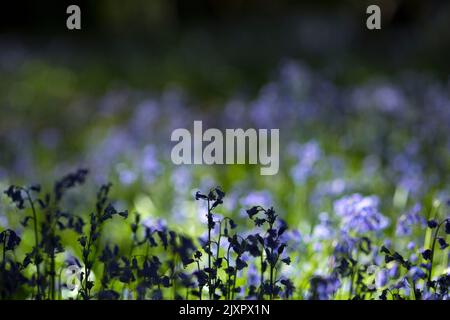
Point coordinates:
[(265, 261)]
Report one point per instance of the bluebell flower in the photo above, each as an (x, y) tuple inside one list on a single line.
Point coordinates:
[(432, 223), (346, 244), (252, 276), (292, 238), (381, 278), (394, 271), (155, 224), (257, 198), (417, 273), (307, 155), (323, 287), (149, 163), (402, 283), (442, 243), (426, 266), (409, 220), (411, 245), (360, 214), (324, 230)]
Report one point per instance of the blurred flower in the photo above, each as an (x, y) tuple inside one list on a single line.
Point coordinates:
[(417, 273), (360, 214), (381, 278), (154, 224), (323, 287), (306, 156), (324, 230), (257, 198), (409, 220)]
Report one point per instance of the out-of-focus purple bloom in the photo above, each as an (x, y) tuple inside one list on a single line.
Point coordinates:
[(409, 172), (417, 273), (149, 163), (126, 175), (402, 283), (292, 238), (3, 221), (387, 243), (265, 109), (232, 201), (144, 117), (323, 287), (384, 97), (50, 138), (426, 266), (413, 258), (389, 98), (113, 102), (154, 224), (324, 230), (345, 245), (307, 155), (317, 246), (181, 178), (360, 214), (332, 188), (411, 245), (394, 271), (410, 219), (252, 275), (381, 278), (257, 198)]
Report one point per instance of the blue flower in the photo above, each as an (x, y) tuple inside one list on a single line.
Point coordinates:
[(323, 287), (411, 245), (324, 230), (417, 273), (360, 214), (381, 278), (410, 219), (394, 271), (257, 198)]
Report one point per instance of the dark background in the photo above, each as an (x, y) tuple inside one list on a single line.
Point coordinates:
[(248, 36)]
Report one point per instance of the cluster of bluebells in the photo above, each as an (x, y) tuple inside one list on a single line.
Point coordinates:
[(360, 214), (374, 271), (348, 257), (297, 97)]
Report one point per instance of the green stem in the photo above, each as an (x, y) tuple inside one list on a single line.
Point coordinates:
[(36, 242), (261, 277), (209, 252), (433, 247)]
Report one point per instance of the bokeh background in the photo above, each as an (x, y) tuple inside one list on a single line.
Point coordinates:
[(358, 110)]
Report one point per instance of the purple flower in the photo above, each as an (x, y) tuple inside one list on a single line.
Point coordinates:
[(394, 271), (411, 245), (323, 287), (381, 278), (324, 230), (346, 244), (307, 156), (252, 276), (360, 214), (154, 224), (417, 273), (257, 198), (407, 221)]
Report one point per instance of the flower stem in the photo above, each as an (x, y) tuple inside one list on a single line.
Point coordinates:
[(36, 242), (436, 233)]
